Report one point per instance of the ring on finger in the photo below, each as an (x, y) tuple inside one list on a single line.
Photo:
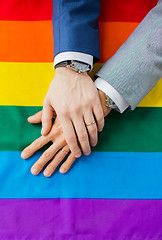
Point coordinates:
[(89, 124), (64, 151)]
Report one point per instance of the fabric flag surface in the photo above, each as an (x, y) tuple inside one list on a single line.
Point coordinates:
[(113, 194)]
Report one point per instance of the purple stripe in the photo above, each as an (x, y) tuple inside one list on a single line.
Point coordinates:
[(80, 219)]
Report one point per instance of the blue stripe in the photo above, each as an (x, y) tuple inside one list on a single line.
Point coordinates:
[(101, 175)]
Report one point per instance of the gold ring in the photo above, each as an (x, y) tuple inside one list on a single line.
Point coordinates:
[(64, 151), (89, 124)]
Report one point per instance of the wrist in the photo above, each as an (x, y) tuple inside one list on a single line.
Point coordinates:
[(106, 109)]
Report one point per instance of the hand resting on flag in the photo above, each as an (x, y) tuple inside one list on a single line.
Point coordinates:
[(59, 149), (74, 98)]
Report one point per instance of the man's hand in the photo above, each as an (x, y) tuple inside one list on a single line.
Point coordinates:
[(56, 152), (59, 148), (76, 101)]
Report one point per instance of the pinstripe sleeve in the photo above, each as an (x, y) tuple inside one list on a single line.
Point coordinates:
[(137, 66)]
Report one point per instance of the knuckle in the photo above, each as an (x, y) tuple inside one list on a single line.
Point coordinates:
[(47, 155), (53, 164), (83, 137), (63, 111), (93, 97), (56, 131), (86, 104), (46, 139), (62, 141), (50, 137), (37, 144), (58, 159), (76, 109), (59, 139), (59, 127), (71, 158)]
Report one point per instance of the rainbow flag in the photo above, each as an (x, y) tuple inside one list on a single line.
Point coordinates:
[(113, 194)]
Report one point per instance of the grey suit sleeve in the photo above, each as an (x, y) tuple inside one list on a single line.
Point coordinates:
[(137, 66)]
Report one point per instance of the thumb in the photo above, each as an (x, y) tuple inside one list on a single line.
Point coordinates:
[(36, 118), (47, 115)]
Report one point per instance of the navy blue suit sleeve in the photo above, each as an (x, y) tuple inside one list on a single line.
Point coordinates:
[(75, 26)]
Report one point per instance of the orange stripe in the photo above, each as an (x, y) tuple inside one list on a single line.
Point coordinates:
[(26, 41), (32, 41), (112, 36)]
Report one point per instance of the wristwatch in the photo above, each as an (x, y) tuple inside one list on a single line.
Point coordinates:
[(111, 104), (77, 66)]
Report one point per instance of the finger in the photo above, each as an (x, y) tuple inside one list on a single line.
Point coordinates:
[(47, 115), (49, 170), (70, 137), (36, 118), (67, 164), (82, 135), (45, 157), (99, 115), (34, 146), (91, 128)]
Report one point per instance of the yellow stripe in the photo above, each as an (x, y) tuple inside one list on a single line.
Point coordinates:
[(26, 84), (153, 98)]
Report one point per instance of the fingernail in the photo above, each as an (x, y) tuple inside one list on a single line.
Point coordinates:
[(78, 155), (47, 173), (30, 118), (62, 170), (87, 153), (34, 171), (93, 144), (24, 155)]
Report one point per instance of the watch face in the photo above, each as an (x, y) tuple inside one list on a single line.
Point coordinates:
[(75, 65), (81, 67)]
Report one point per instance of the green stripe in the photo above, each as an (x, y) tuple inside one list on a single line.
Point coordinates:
[(134, 131)]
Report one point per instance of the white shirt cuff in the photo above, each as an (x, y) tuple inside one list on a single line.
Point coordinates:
[(112, 93), (78, 56)]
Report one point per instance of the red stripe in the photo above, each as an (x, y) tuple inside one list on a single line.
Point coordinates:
[(25, 10), (125, 10), (111, 10)]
